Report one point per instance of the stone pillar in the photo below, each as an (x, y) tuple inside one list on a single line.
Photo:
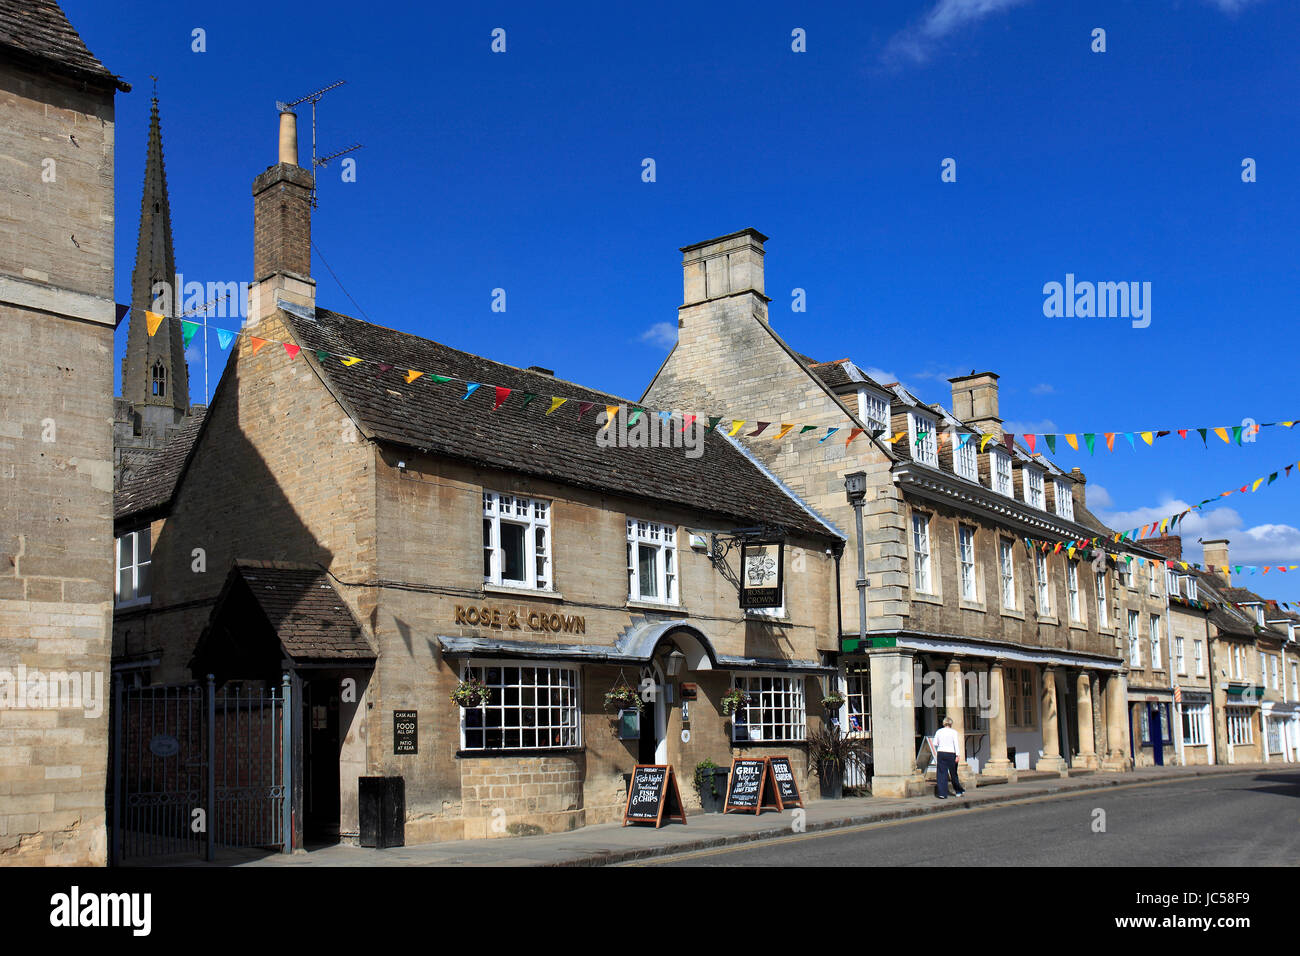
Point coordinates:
[(1051, 759), (1087, 748), (954, 702), (1117, 756), (998, 764), (1133, 711), (893, 725)]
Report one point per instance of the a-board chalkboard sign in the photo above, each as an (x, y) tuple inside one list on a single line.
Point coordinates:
[(749, 786), (787, 790), (652, 796)]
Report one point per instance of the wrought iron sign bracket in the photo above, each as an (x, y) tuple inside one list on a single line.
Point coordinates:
[(722, 543)]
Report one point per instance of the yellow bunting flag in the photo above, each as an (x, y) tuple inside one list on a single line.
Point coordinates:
[(152, 320), (1223, 433), (257, 343), (1073, 441), (350, 360), (984, 440), (611, 412), (556, 403), (412, 375), (736, 426), (1148, 437), (1258, 482), (784, 431)]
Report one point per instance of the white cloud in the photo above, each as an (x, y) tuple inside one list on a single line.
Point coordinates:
[(1230, 6), (1265, 544), (1042, 389), (1044, 427), (662, 334), (880, 375), (1098, 498), (1215, 523), (946, 17)]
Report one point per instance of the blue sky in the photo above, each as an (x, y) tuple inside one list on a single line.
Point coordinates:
[(522, 171)]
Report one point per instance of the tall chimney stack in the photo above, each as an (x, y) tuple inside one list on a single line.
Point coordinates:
[(282, 211), (975, 401), (1216, 558)]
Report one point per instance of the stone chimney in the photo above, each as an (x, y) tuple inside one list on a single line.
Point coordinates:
[(282, 211), (1216, 558), (975, 401), (724, 275), (1170, 545), (1080, 486), (282, 229)]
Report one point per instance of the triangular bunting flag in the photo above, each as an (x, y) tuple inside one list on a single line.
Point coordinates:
[(1148, 437), (412, 375), (224, 338), (634, 416), (688, 421), (852, 435), (555, 403), (152, 320), (611, 412), (807, 428), (384, 367), (713, 422), (501, 393), (584, 407), (829, 433), (471, 388), (1110, 441), (785, 430), (736, 426), (1031, 440), (1072, 441), (292, 349), (759, 430), (256, 343), (188, 329), (1223, 434), (1090, 440), (351, 360), (528, 397)]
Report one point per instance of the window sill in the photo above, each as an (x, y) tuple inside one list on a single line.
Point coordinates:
[(1012, 612), (927, 598), (1049, 619), (522, 752), (654, 606), (522, 592), (972, 606)]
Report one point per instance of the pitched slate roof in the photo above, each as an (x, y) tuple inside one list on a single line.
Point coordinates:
[(433, 417), (153, 486), (310, 617), (38, 32)]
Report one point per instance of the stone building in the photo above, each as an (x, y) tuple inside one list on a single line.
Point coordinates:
[(56, 457), (155, 401), (1027, 666), (367, 529)]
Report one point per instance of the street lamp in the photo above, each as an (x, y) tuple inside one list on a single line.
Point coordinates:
[(675, 662), (855, 487)]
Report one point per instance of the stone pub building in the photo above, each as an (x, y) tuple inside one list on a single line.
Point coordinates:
[(381, 537)]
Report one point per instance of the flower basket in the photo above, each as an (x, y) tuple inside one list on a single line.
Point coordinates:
[(833, 701), (471, 693), (734, 701), (622, 697)]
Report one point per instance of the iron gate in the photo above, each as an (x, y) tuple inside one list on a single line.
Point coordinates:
[(195, 768)]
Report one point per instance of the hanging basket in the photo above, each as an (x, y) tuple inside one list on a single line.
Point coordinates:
[(471, 693), (622, 697), (734, 702)]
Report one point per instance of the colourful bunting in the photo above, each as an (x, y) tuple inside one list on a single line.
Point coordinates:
[(501, 394), (256, 343), (829, 433), (224, 338), (292, 350), (852, 435), (472, 388), (412, 375), (152, 320), (188, 330), (556, 403)]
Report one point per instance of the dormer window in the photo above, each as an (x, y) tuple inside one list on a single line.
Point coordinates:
[(1064, 500), (1034, 493), (873, 410), (964, 462), (925, 444), (1191, 588), (1001, 468)]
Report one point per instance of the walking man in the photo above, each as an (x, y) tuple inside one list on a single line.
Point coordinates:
[(947, 743)]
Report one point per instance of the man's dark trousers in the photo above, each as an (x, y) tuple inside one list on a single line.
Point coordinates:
[(947, 771)]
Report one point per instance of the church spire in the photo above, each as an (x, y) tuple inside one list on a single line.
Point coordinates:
[(155, 377)]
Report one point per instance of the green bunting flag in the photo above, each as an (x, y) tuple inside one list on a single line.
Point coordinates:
[(1091, 441), (1051, 443), (636, 414), (187, 331), (807, 428), (713, 423)]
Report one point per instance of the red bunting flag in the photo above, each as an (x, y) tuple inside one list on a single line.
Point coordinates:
[(687, 421), (501, 397), (1009, 439), (292, 349), (759, 430), (384, 366), (852, 435), (1030, 440), (583, 408)]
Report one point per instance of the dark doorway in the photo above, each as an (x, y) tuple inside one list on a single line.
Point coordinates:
[(1156, 726), (1068, 722), (320, 722)]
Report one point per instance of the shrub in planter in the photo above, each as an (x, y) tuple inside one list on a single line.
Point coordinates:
[(711, 785), (829, 752), (471, 693)]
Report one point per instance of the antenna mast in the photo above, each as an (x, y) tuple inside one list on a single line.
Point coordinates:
[(313, 99)]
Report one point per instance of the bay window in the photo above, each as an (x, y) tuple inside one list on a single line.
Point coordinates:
[(775, 711), (529, 708)]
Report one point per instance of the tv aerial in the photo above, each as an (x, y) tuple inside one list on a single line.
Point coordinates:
[(313, 99)]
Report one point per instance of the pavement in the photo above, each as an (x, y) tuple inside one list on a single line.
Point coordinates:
[(607, 844)]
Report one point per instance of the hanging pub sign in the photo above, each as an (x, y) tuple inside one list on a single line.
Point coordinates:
[(652, 796), (762, 565)]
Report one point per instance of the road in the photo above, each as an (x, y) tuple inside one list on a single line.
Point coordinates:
[(1233, 820)]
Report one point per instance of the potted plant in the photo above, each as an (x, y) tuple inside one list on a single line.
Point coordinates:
[(471, 693), (833, 700), (829, 752), (734, 700), (622, 697), (711, 785)]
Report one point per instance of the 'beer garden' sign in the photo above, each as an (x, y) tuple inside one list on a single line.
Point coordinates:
[(761, 573)]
